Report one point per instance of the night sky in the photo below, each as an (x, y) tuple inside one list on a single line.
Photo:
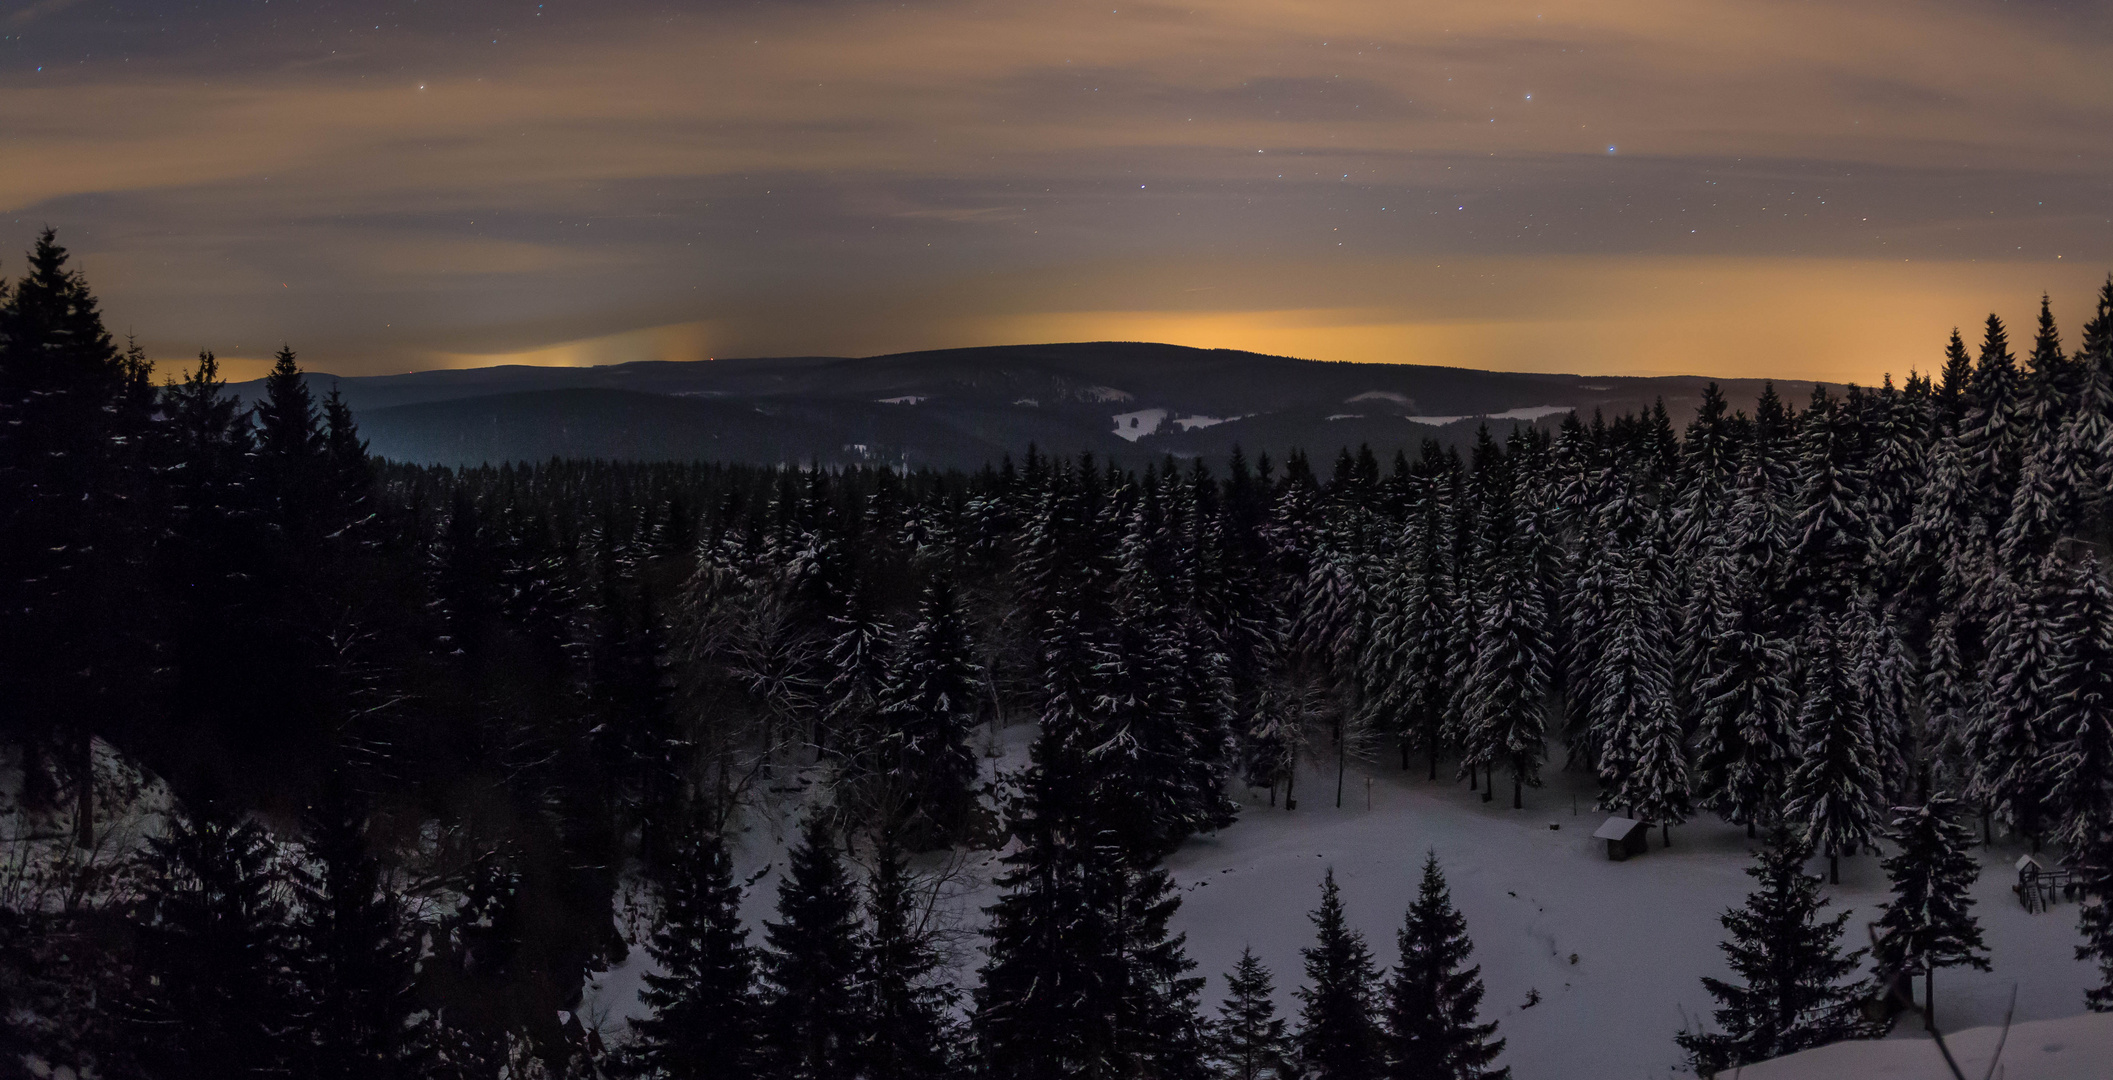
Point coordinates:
[(1746, 187)]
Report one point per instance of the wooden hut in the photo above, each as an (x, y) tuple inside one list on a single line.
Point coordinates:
[(1624, 837)]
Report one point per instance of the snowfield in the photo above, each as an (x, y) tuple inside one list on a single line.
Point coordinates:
[(1615, 951), (2072, 1048)]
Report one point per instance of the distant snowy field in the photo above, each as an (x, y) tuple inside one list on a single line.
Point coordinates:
[(1644, 931)]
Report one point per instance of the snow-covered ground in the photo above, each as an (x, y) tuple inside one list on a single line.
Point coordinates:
[(2071, 1048), (1615, 951)]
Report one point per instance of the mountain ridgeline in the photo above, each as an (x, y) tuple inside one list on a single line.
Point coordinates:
[(1129, 402)]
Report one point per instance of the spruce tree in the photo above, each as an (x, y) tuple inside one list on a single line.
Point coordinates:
[(212, 999), (704, 1024), (1433, 998), (1790, 994), (1083, 976), (355, 951), (1835, 793), (2007, 735), (926, 713), (811, 1015), (75, 420), (909, 1032), (1746, 705), (2095, 919), (2078, 763), (1339, 1035), (349, 474), (1929, 924), (1250, 1041), (1642, 755)]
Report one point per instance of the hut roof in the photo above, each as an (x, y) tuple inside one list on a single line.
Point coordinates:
[(1615, 829)]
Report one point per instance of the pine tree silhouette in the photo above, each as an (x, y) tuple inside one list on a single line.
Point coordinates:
[(704, 1024), (909, 1031), (213, 999), (1790, 994), (1249, 1041), (1835, 792), (1338, 1037), (1928, 924), (1432, 998), (812, 1019), (354, 951)]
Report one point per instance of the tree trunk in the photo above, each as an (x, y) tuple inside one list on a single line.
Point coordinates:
[(1518, 791), (1749, 829), (1665, 832), (1929, 998), (1434, 759), (1290, 777), (1342, 754), (84, 795), (1834, 868)]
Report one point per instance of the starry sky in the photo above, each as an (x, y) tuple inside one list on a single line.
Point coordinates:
[(1730, 187)]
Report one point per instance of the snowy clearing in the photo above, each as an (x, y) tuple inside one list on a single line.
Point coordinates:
[(1132, 426), (1378, 395), (1643, 932), (2072, 1048), (1530, 412)]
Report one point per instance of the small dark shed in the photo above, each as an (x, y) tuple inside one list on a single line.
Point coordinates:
[(1624, 837)]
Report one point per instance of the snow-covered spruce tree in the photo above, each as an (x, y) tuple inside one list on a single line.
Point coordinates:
[(811, 1016), (1882, 675), (1745, 706), (858, 664), (1168, 700), (1507, 688), (1991, 434), (1790, 994), (1433, 998), (2083, 453), (1832, 542), (1929, 922), (1709, 471), (354, 953), (1896, 445), (211, 996), (1202, 692), (926, 712), (704, 1024), (2007, 737), (1835, 792), (2078, 762), (1642, 758), (1504, 699), (1655, 786), (1426, 664), (1339, 1033), (909, 1032), (2095, 919), (1082, 977), (1249, 1041)]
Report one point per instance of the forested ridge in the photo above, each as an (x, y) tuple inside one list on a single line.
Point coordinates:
[(326, 765)]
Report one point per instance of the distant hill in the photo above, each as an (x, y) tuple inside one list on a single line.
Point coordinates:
[(1130, 401)]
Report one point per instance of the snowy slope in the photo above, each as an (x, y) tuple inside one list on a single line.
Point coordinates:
[(1643, 931), (2072, 1048)]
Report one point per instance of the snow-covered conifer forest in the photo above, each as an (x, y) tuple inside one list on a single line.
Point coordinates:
[(319, 765)]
